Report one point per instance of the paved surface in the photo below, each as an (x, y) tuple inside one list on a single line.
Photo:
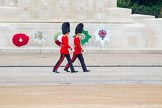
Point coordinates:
[(99, 75), (115, 81), (82, 96), (107, 67)]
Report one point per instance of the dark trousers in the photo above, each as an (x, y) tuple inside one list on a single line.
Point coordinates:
[(61, 60), (81, 59)]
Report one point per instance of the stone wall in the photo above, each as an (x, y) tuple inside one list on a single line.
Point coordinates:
[(155, 32), (121, 35), (125, 30), (61, 10)]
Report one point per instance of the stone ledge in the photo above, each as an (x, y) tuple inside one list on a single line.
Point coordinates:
[(111, 21), (93, 57), (46, 50), (140, 17), (29, 50)]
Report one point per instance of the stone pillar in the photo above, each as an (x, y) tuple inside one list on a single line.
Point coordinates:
[(81, 8), (56, 10), (44, 11), (24, 9), (91, 8), (65, 8), (51, 8), (100, 9), (35, 9), (112, 3)]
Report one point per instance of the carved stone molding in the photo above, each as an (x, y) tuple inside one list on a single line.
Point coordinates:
[(65, 10)]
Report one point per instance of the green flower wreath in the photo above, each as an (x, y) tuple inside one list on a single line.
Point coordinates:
[(85, 37)]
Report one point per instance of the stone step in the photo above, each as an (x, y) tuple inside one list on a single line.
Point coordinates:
[(93, 57)]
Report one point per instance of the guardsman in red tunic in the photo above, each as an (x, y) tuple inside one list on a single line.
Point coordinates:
[(64, 50), (78, 49)]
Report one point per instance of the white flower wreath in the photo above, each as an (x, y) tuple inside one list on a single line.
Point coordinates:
[(102, 34), (39, 37)]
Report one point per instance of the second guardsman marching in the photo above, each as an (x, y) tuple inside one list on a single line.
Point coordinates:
[(78, 49)]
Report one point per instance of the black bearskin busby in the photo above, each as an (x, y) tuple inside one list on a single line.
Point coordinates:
[(65, 27), (79, 28)]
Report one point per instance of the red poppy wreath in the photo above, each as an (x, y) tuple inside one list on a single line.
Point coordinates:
[(20, 39)]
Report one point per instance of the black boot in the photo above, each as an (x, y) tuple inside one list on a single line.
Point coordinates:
[(55, 71), (86, 71), (74, 71), (66, 70)]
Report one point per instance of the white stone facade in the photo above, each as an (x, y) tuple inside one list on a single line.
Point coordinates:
[(61, 10), (29, 16)]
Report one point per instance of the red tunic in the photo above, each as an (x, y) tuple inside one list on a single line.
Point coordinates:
[(77, 46), (65, 45)]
